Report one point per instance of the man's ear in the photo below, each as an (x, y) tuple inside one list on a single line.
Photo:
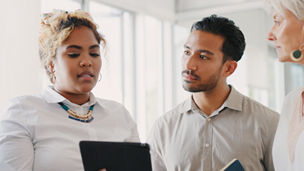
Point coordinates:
[(229, 67)]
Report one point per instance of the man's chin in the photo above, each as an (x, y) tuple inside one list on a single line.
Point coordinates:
[(191, 89)]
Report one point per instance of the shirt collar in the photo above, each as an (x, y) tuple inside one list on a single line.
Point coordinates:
[(52, 96), (188, 104), (234, 101)]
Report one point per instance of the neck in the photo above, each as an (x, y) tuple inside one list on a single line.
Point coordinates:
[(211, 100), (75, 98)]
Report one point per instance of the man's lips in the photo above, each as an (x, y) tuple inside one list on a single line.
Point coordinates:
[(189, 76)]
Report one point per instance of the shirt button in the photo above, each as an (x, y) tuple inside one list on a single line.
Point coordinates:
[(208, 119), (207, 145)]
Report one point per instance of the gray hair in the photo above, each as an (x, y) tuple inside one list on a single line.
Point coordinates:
[(294, 6)]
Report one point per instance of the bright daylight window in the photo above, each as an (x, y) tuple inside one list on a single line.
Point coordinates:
[(110, 26)]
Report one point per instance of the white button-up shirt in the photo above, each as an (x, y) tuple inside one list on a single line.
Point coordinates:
[(289, 139), (37, 135), (186, 139)]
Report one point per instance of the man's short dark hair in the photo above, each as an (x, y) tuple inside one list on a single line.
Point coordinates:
[(234, 43)]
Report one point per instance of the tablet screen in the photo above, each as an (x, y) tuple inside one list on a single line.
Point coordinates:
[(115, 156)]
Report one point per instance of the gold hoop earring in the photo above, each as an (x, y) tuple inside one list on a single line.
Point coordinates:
[(100, 76)]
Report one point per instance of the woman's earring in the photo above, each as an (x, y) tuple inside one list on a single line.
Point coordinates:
[(100, 76), (51, 72), (296, 55), (52, 76)]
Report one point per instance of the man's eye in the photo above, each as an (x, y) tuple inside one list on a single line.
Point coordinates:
[(73, 55), (186, 52), (94, 54), (203, 57)]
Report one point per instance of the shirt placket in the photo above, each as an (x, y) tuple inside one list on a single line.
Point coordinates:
[(208, 144), (91, 131)]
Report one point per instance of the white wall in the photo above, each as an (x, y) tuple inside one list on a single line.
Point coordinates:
[(19, 59)]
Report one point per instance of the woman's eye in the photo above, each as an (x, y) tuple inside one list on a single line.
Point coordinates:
[(73, 55), (94, 54)]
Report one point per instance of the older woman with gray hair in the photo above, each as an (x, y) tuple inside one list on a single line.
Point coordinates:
[(287, 34)]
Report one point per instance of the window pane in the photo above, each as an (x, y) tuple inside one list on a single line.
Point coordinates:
[(180, 37), (149, 57), (110, 25)]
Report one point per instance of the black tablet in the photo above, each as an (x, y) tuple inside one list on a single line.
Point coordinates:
[(115, 156)]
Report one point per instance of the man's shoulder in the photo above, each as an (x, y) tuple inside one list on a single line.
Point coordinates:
[(253, 107), (250, 106), (175, 113)]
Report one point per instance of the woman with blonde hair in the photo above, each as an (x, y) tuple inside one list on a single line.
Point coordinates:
[(287, 34), (43, 132)]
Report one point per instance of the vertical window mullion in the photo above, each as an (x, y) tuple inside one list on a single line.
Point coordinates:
[(122, 56)]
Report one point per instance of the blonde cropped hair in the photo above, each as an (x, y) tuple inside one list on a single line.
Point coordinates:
[(56, 28), (294, 6)]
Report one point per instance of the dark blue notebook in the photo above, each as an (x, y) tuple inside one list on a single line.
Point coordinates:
[(234, 165)]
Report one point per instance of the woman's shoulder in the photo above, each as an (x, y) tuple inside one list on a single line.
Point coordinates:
[(291, 101), (292, 97), (26, 100), (295, 93), (108, 103), (114, 109), (112, 106), (23, 104)]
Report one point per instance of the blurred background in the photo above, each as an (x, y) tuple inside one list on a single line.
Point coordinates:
[(141, 66)]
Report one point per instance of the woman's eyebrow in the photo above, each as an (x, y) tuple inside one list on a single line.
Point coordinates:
[(74, 46), (94, 46)]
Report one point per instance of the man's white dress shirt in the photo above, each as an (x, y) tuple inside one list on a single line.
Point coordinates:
[(186, 139), (37, 135)]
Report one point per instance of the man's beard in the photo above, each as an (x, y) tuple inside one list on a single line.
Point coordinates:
[(211, 83)]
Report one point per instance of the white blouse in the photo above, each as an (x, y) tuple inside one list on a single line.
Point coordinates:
[(288, 146), (37, 135)]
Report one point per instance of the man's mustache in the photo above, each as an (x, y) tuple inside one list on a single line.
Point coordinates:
[(190, 72)]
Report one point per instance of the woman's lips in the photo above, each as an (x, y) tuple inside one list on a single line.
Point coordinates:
[(87, 76)]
